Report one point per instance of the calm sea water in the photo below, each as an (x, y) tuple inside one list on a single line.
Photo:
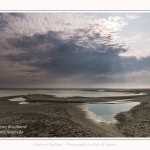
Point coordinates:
[(66, 93)]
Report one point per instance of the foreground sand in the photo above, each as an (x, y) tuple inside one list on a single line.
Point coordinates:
[(66, 118), (136, 122)]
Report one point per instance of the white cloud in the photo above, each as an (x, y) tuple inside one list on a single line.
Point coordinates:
[(105, 29), (132, 16), (135, 75), (116, 23), (148, 40), (30, 23), (136, 49), (140, 74)]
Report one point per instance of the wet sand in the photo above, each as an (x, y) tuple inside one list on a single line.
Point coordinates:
[(48, 116)]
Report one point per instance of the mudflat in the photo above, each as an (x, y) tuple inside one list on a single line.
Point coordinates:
[(49, 116)]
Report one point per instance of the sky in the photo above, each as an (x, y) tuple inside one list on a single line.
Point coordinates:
[(75, 50)]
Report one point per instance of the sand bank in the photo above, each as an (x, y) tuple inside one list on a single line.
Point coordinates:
[(65, 118)]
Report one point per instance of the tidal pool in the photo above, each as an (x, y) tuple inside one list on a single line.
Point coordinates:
[(18, 99), (105, 112), (24, 103)]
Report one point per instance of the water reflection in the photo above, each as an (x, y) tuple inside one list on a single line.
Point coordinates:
[(18, 99), (24, 103), (105, 112)]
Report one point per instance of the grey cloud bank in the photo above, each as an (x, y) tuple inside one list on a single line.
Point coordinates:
[(84, 50)]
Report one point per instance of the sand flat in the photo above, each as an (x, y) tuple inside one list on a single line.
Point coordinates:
[(67, 119)]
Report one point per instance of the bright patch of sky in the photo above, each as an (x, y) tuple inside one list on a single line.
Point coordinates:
[(131, 29)]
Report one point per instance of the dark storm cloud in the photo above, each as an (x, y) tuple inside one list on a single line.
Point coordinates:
[(17, 14), (3, 23), (35, 40), (4, 17), (65, 57)]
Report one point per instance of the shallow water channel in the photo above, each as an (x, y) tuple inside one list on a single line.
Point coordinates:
[(68, 93)]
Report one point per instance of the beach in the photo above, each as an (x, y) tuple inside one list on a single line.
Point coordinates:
[(49, 116)]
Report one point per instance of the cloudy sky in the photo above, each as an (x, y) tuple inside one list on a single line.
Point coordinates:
[(88, 49)]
